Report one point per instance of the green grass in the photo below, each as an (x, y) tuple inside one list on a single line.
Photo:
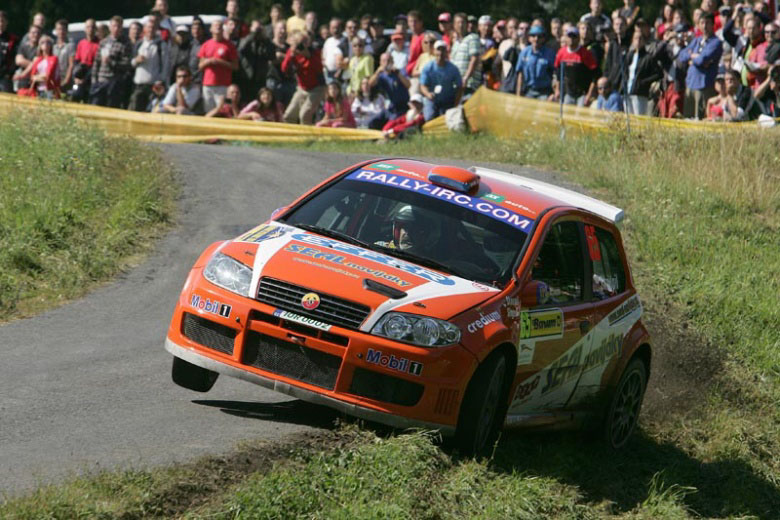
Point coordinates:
[(75, 207), (702, 234)]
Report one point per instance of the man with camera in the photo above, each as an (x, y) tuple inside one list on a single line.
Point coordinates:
[(306, 62), (394, 85)]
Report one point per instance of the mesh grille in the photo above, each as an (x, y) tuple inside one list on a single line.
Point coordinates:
[(208, 333), (445, 402), (335, 311), (290, 360), (381, 387)]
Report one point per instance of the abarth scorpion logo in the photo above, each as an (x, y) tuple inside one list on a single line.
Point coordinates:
[(310, 301)]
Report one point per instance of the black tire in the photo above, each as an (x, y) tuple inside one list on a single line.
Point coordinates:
[(192, 377), (622, 414), (484, 406)]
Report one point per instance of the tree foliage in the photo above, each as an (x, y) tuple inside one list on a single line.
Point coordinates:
[(21, 11)]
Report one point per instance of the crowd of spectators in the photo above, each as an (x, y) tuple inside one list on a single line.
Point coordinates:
[(718, 62)]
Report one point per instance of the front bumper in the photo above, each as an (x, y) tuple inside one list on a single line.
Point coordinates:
[(395, 421), (365, 376)]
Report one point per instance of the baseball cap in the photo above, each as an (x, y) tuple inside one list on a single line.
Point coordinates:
[(439, 44), (182, 28), (399, 17), (536, 30), (572, 31), (377, 21), (501, 23), (471, 18), (416, 98), (485, 18), (445, 17), (397, 36)]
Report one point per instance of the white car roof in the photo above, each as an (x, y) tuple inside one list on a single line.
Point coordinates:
[(568, 197)]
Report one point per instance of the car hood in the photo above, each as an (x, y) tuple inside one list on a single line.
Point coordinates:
[(333, 268)]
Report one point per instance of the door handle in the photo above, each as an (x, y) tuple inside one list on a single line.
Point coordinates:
[(584, 327)]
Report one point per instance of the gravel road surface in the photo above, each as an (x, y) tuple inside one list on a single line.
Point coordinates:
[(87, 386)]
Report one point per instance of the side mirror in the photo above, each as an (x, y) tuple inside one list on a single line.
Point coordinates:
[(534, 293)]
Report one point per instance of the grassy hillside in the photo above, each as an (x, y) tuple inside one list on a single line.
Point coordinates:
[(75, 207)]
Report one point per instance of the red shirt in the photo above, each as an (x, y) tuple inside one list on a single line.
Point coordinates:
[(86, 51), (415, 49), (218, 75), (307, 70), (579, 70)]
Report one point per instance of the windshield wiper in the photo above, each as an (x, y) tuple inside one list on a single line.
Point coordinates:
[(332, 233)]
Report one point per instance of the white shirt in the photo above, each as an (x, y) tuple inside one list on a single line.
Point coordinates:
[(331, 54), (153, 68), (191, 96)]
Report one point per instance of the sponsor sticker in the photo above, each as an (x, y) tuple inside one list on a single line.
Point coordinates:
[(546, 324), (377, 357), (525, 353), (484, 320), (211, 306), (478, 205), (303, 320), (566, 368), (625, 308), (310, 301), (523, 391), (383, 166), (495, 197), (262, 233), (512, 304), (609, 347), (342, 260), (340, 247)]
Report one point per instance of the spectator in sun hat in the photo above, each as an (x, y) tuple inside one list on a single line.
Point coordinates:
[(465, 54), (412, 119), (580, 71), (440, 83), (485, 29), (181, 52), (535, 67), (399, 50), (445, 27)]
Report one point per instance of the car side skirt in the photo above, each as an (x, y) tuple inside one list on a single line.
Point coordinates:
[(300, 393)]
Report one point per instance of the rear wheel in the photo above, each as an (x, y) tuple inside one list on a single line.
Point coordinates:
[(623, 411), (483, 407), (191, 376)]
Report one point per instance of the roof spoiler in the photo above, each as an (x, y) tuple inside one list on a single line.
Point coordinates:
[(573, 198)]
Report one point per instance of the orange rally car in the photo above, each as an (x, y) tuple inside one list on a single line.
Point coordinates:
[(415, 294)]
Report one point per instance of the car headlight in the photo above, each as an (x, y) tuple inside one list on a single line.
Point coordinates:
[(229, 274), (417, 330)]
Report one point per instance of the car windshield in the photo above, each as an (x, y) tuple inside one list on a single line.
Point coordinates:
[(434, 232)]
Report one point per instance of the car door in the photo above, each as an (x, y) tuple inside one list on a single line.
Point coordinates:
[(554, 331), (616, 309)]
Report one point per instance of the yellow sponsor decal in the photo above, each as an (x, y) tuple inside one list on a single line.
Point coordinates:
[(541, 324), (261, 233)]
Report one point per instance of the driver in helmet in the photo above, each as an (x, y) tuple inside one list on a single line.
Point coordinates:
[(411, 231)]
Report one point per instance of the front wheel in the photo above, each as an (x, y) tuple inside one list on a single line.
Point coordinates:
[(192, 377), (623, 411), (483, 407)]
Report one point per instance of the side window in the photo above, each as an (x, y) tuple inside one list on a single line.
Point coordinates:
[(609, 278), (560, 264)]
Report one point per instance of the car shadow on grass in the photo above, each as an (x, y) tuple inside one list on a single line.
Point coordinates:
[(727, 487), (291, 412)]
